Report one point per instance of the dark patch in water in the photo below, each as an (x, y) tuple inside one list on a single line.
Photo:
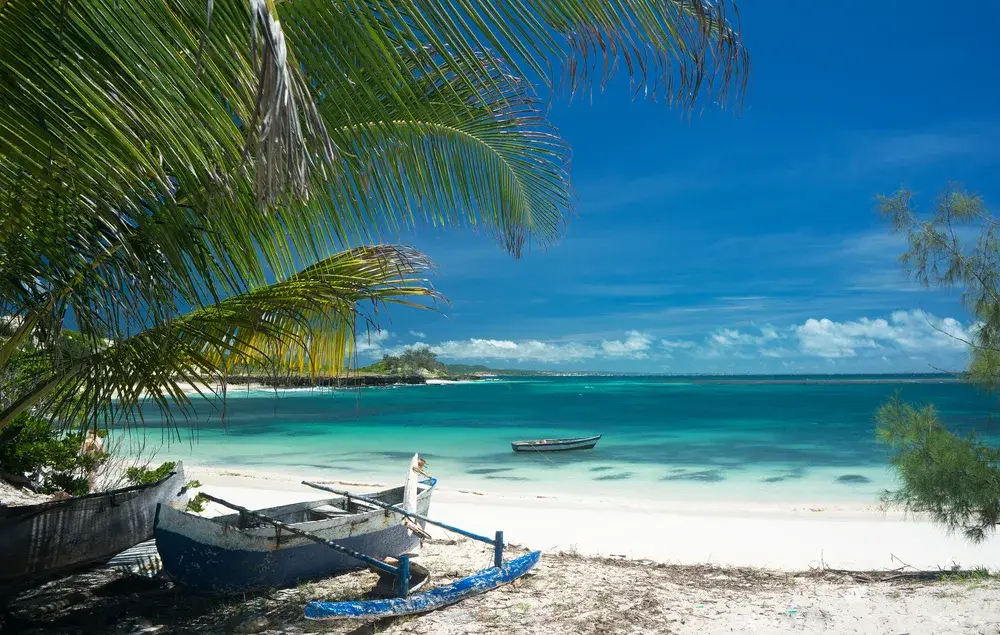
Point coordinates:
[(853, 479), (790, 475), (705, 476), (488, 470), (620, 476), (601, 468), (507, 478)]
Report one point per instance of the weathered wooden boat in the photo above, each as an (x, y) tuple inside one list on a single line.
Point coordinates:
[(241, 552), (485, 580), (40, 542), (556, 445)]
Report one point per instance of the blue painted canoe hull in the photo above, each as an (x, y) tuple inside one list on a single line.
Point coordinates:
[(215, 570), (485, 580)]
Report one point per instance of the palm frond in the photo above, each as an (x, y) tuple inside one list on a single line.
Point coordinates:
[(149, 101), (308, 320), (163, 155)]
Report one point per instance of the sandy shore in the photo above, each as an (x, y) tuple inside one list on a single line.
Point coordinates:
[(792, 537), (565, 595), (609, 568)]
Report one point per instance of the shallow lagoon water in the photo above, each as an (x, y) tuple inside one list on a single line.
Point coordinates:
[(664, 438)]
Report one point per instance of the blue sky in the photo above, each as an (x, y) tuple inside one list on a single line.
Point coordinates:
[(744, 242)]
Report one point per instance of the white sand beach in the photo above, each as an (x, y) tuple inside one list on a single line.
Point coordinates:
[(789, 537), (608, 568)]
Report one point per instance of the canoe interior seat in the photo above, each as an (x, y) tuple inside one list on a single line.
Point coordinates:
[(327, 511)]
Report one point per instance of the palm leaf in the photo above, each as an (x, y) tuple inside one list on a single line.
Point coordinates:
[(308, 320), (147, 100), (156, 156)]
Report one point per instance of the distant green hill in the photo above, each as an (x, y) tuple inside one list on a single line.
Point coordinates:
[(467, 369)]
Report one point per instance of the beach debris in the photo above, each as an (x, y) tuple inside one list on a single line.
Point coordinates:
[(416, 529), (145, 627), (253, 623)]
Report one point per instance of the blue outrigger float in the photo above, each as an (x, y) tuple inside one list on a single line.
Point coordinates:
[(499, 574), (485, 580)]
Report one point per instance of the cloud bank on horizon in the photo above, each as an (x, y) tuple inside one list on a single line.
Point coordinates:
[(904, 341)]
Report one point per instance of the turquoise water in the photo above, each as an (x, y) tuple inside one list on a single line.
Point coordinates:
[(664, 437)]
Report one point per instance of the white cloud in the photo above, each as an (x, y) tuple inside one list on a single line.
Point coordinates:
[(904, 330), (816, 344), (634, 345), (523, 351), (777, 353), (371, 341), (675, 344), (731, 337), (418, 335)]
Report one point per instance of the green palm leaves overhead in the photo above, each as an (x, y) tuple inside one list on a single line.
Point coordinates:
[(163, 156), (305, 323)]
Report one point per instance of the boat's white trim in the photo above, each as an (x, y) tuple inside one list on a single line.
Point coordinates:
[(209, 531), (410, 487)]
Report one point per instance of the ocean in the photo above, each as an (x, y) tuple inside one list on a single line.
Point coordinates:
[(670, 438)]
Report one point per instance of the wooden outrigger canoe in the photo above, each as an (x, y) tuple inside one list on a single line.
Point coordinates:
[(241, 552), (556, 445), (41, 542)]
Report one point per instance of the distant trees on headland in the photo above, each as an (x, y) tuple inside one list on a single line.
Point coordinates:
[(414, 361)]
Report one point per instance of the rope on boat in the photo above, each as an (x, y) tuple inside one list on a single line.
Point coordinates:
[(542, 454)]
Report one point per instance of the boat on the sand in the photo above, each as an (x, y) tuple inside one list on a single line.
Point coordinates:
[(556, 445), (41, 542), (242, 552)]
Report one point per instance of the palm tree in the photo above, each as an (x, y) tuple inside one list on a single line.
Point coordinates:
[(174, 174)]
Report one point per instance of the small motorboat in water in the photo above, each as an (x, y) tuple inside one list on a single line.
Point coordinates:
[(556, 445)]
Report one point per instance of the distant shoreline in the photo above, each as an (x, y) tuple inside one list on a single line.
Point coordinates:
[(372, 380), (833, 379)]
